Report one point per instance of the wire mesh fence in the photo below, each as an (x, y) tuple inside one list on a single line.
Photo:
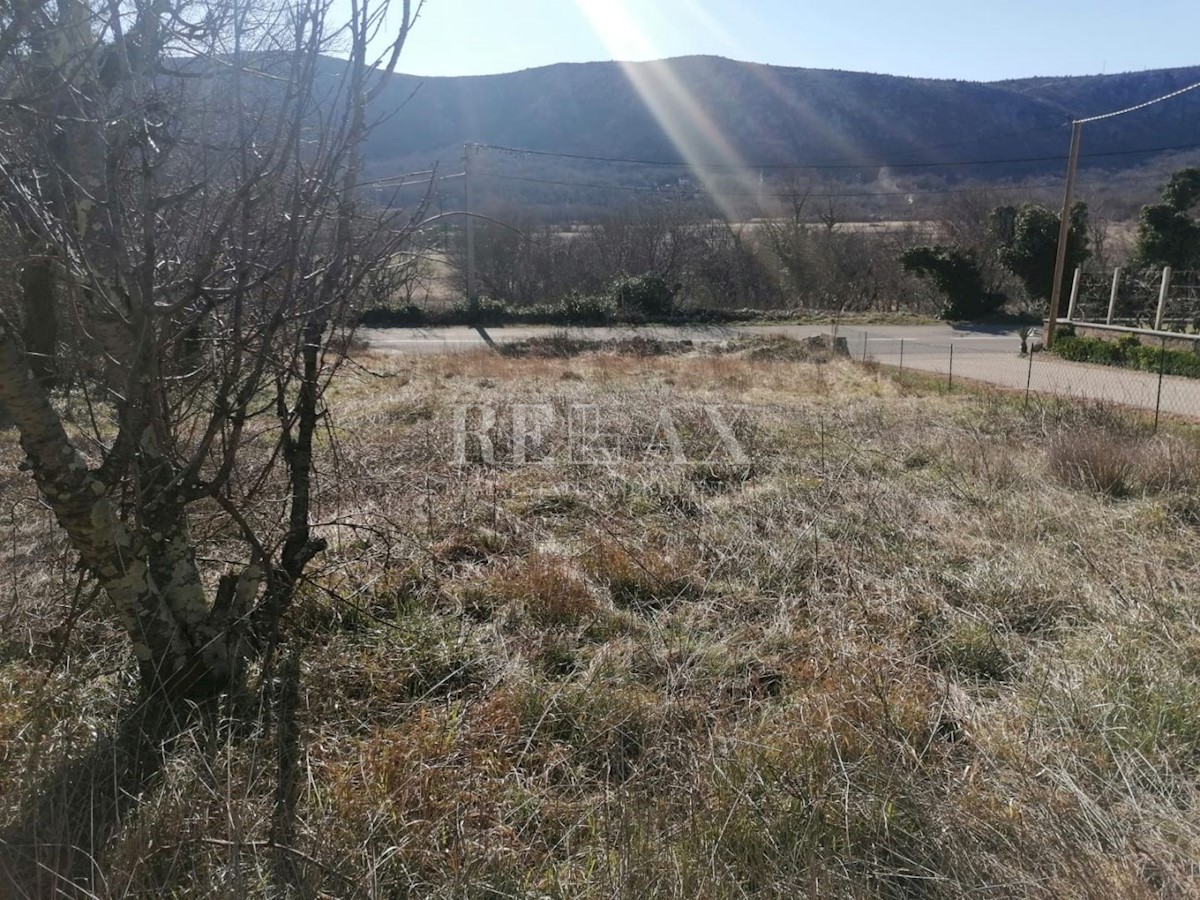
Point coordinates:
[(997, 360), (1139, 298)]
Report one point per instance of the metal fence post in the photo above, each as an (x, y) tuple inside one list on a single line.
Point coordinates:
[(1162, 364), (950, 380), (1112, 299), (1028, 379), (864, 358), (1163, 291), (1074, 293), (901, 354)]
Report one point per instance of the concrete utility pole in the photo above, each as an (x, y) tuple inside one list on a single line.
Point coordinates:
[(1064, 234), (1112, 297), (472, 300)]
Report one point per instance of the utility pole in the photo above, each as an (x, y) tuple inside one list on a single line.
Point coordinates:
[(472, 300), (1064, 230), (1064, 235)]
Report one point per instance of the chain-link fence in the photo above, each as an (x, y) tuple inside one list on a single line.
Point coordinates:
[(997, 360)]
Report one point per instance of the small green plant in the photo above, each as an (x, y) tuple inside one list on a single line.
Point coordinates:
[(973, 650)]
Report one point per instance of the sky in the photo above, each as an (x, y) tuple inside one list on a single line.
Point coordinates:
[(966, 39)]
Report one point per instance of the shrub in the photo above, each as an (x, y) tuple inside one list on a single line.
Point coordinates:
[(585, 309), (486, 311), (955, 272), (1128, 352), (408, 316), (647, 295), (1086, 349)]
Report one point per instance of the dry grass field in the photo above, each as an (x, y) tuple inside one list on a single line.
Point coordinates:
[(905, 644)]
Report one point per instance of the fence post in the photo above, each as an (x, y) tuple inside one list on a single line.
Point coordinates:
[(1074, 293), (1112, 299), (864, 359), (901, 354), (1162, 298), (1028, 379), (1162, 364), (950, 380)]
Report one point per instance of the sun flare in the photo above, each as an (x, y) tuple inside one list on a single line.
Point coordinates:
[(698, 139)]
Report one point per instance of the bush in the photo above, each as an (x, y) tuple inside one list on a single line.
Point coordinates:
[(1130, 353), (955, 272), (1087, 349), (585, 309), (408, 316), (487, 311), (647, 295)]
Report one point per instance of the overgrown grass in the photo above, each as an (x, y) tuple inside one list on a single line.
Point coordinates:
[(912, 645)]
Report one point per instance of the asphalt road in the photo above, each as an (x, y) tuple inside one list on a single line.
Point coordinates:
[(986, 354), (443, 340)]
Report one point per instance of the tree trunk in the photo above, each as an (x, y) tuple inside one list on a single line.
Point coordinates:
[(41, 318), (185, 647)]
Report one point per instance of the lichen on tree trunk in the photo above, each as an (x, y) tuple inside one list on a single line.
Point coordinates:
[(150, 577)]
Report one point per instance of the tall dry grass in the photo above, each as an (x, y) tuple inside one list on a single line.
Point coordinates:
[(918, 646)]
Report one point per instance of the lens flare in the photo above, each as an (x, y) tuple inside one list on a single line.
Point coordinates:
[(697, 138)]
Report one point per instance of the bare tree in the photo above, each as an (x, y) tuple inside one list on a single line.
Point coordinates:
[(183, 179)]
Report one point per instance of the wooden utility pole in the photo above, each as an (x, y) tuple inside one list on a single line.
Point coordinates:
[(472, 300), (1064, 235)]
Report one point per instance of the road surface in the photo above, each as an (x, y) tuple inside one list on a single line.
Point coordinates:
[(442, 340)]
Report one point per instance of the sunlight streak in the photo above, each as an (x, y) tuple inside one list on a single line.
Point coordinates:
[(681, 115)]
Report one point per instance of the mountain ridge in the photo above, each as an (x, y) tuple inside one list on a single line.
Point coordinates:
[(722, 109), (717, 58)]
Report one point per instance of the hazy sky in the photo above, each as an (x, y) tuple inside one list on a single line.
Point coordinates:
[(934, 38)]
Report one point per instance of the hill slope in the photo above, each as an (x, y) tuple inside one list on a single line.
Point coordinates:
[(774, 115)]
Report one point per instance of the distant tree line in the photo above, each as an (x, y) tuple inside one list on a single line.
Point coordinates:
[(981, 256)]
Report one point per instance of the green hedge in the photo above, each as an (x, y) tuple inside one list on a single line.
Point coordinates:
[(1129, 353)]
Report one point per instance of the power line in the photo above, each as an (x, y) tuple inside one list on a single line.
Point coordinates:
[(693, 192), (402, 180), (1064, 224), (1129, 109), (516, 151), (978, 140)]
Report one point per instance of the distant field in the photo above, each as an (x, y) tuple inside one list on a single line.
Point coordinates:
[(869, 640), (882, 227), (436, 285)]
